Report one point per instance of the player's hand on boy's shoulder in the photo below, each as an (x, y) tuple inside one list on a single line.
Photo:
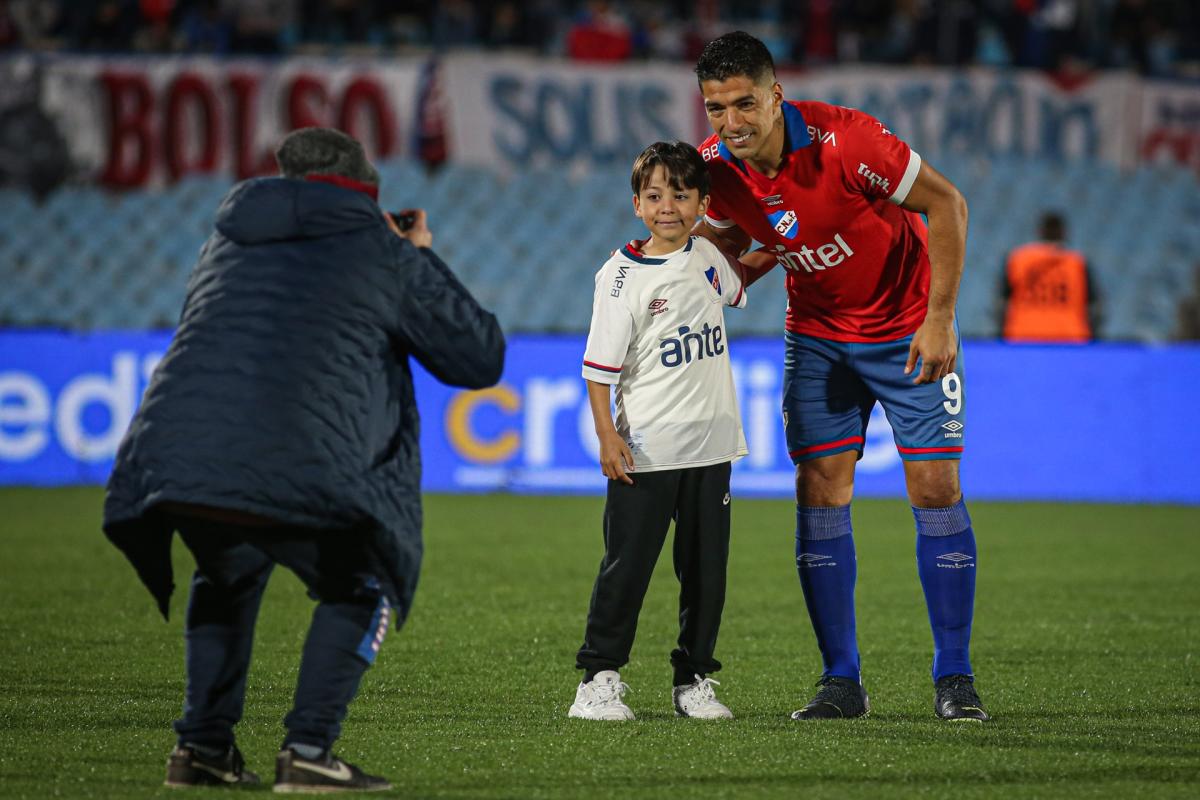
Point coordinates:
[(615, 457)]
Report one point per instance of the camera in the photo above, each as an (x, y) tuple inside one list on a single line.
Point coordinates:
[(404, 219)]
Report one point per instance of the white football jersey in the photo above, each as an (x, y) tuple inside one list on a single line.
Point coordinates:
[(658, 333)]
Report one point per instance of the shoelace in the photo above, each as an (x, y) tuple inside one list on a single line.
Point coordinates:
[(833, 690), (606, 693), (961, 691), (704, 689)]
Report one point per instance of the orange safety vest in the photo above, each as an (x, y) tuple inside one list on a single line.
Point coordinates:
[(1048, 298)]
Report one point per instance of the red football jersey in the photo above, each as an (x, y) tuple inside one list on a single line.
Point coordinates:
[(857, 263)]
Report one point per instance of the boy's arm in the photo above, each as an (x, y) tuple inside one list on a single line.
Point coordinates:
[(615, 456)]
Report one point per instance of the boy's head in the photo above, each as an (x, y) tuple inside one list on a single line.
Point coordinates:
[(670, 190), (742, 97)]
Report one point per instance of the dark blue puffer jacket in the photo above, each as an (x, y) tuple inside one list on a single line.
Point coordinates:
[(286, 391)]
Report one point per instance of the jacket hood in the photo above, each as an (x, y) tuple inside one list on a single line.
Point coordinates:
[(280, 209)]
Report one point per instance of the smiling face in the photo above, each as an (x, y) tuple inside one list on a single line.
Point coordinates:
[(670, 212), (748, 117)]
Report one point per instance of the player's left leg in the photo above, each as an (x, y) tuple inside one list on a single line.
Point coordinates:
[(927, 422)]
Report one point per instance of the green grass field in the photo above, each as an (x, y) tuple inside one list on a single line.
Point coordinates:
[(1086, 646)]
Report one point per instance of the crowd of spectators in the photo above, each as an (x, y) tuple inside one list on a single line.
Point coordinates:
[(1154, 37)]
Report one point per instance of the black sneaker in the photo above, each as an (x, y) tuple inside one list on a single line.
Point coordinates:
[(956, 699), (329, 773), (837, 698), (189, 767)]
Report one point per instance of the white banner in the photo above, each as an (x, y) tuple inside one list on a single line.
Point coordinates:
[(984, 113), (139, 121), (518, 113), (1170, 125), (133, 122)]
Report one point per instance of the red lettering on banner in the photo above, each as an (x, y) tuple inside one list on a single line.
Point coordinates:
[(1181, 146), (365, 92), (130, 137), (246, 162), (306, 89), (201, 123), (189, 91)]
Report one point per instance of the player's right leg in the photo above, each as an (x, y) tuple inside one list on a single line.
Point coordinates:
[(636, 520), (825, 409)]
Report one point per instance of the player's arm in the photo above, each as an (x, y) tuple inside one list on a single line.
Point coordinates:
[(734, 242), (935, 343), (729, 239), (615, 456), (755, 264)]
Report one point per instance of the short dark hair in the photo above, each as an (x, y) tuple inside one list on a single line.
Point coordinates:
[(1052, 227), (324, 151), (685, 168), (734, 54)]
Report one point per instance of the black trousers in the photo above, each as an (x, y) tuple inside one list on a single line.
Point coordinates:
[(233, 564), (636, 519)]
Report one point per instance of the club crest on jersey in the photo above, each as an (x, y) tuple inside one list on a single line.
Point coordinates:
[(785, 223), (714, 280)]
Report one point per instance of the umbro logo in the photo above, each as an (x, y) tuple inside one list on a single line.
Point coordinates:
[(773, 199), (954, 426), (658, 306), (956, 561), (815, 560)]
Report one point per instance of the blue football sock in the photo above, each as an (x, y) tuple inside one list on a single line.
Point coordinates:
[(946, 564), (827, 567)]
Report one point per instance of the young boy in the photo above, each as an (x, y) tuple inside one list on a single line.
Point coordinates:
[(658, 335)]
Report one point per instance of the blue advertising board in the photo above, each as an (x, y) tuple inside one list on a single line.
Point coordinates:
[(1100, 422)]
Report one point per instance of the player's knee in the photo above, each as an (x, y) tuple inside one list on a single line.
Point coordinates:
[(825, 481), (933, 484)]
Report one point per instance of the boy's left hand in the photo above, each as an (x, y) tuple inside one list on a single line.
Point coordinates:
[(615, 458)]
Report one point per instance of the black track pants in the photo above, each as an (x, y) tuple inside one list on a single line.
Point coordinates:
[(636, 519)]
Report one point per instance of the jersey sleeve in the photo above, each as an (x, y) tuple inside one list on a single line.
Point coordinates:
[(716, 216), (876, 162), (609, 334)]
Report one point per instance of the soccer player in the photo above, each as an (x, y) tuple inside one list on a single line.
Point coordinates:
[(658, 335), (836, 199)]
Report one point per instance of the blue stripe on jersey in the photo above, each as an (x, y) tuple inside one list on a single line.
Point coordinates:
[(794, 127)]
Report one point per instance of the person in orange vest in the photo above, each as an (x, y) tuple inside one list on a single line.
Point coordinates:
[(1048, 291)]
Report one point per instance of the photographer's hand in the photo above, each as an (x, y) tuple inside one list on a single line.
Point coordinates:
[(419, 234)]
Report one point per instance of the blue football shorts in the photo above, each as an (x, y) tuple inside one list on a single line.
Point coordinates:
[(829, 389)]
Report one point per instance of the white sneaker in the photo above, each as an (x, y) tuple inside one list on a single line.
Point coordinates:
[(600, 698), (698, 700)]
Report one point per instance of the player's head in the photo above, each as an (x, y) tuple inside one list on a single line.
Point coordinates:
[(733, 55), (670, 190), (326, 152), (1052, 227), (742, 97)]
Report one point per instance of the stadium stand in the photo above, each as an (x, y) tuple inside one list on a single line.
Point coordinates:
[(529, 244)]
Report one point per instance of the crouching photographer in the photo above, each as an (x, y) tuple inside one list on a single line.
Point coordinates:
[(281, 428)]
